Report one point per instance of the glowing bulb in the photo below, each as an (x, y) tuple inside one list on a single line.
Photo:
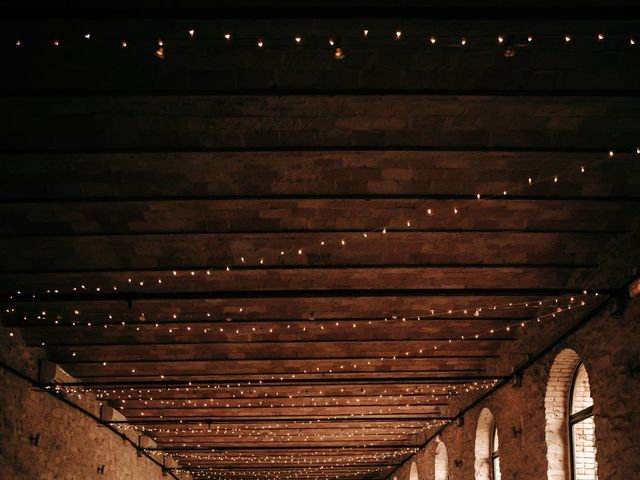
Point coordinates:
[(56, 43), (632, 41), (18, 43), (455, 210), (227, 36), (87, 36), (192, 33), (123, 44), (611, 153), (331, 42), (398, 34), (365, 33), (567, 38), (463, 41), (298, 40), (260, 43), (530, 38), (500, 39), (160, 42), (433, 40)]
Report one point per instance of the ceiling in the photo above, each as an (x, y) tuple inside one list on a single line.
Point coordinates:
[(279, 264)]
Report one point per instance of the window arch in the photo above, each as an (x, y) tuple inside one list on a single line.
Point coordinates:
[(413, 473), (487, 464), (441, 462), (570, 429), (495, 454), (581, 428)]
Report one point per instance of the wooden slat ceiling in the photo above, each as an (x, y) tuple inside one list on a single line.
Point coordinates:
[(279, 266)]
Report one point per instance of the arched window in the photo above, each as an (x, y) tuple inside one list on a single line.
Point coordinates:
[(570, 429), (413, 473), (495, 454), (441, 463), (487, 464), (581, 428)]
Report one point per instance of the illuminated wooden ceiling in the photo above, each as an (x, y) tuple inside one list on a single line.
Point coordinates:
[(276, 263)]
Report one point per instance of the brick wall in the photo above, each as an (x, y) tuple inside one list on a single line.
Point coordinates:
[(604, 347), (71, 445)]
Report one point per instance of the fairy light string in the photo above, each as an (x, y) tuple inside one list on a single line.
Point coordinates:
[(507, 43)]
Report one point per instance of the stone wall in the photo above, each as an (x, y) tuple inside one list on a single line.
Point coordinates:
[(71, 445), (604, 345)]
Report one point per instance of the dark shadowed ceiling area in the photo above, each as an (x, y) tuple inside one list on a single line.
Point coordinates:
[(295, 247)]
